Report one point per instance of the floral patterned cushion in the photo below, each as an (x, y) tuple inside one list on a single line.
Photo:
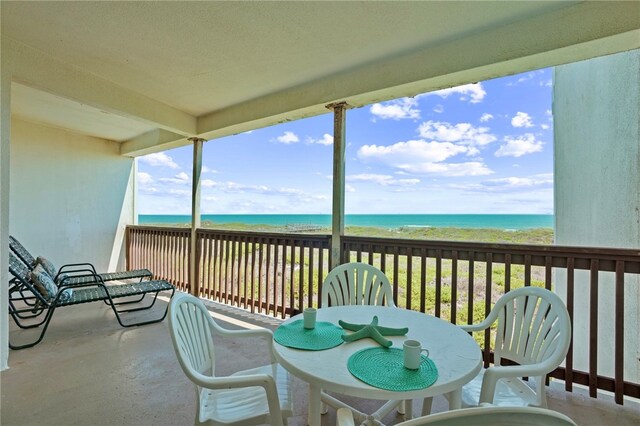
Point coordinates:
[(47, 265), (66, 295), (43, 282), (51, 269), (61, 278)]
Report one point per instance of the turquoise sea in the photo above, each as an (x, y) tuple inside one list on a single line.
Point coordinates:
[(499, 221)]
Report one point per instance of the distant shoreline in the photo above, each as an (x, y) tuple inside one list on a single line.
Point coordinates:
[(512, 222), (490, 234)]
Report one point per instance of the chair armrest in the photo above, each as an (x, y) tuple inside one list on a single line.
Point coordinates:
[(258, 332), (74, 265), (80, 273), (477, 327)]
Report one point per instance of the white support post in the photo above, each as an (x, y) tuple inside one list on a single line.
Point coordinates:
[(195, 215), (5, 144), (337, 214)]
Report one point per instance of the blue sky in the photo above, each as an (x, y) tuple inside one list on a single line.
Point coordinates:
[(478, 148)]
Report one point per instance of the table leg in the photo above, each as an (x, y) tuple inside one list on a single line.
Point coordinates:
[(408, 409), (455, 399), (314, 405)]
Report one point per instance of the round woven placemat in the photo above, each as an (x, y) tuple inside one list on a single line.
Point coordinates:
[(324, 336), (384, 368)]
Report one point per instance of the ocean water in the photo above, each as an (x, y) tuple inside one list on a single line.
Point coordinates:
[(499, 221)]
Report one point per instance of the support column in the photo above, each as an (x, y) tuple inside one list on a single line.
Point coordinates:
[(195, 215), (5, 144), (337, 213)]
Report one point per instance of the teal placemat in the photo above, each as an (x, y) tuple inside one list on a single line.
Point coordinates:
[(324, 336), (384, 368)]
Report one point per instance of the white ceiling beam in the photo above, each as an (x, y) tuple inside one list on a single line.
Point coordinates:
[(41, 71), (150, 142), (574, 33)]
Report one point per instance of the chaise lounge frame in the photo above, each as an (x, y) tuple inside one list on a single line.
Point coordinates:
[(94, 290), (30, 261)]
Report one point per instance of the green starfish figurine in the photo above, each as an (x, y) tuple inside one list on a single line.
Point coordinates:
[(371, 330)]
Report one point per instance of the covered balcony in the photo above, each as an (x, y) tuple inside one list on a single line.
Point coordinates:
[(87, 87)]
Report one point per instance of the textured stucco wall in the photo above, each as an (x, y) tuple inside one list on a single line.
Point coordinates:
[(5, 136), (71, 195), (596, 110)]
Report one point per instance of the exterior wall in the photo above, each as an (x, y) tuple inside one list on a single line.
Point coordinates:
[(5, 137), (71, 195), (596, 112)]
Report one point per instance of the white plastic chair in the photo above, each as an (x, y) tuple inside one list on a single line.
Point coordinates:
[(480, 416), (256, 396), (534, 330), (356, 284)]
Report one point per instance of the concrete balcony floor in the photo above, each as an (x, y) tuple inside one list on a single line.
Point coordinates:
[(90, 371)]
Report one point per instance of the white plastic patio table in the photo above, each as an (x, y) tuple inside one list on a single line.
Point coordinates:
[(454, 352)]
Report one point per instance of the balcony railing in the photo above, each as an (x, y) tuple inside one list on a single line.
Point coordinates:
[(280, 274)]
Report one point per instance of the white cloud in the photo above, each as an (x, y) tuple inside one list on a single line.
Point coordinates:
[(349, 188), (546, 83), (411, 151), (472, 151), (396, 109), (545, 126), (159, 159), (144, 178), (462, 133), (292, 193), (423, 157), (208, 183), (206, 169), (326, 139), (486, 117), (148, 190), (181, 179), (181, 193), (438, 109), (523, 78), (515, 182), (519, 146), (470, 168), (384, 180), (288, 138), (509, 184), (521, 119), (474, 93)]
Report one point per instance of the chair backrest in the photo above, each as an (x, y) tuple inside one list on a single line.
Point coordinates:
[(20, 251), (494, 416), (18, 269), (190, 327), (356, 284), (533, 327)]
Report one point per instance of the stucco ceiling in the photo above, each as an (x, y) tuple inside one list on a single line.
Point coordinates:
[(203, 57)]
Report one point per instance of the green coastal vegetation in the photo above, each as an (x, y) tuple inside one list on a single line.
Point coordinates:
[(417, 285), (488, 235)]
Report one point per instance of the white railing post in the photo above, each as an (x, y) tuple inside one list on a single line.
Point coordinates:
[(337, 213), (195, 214)]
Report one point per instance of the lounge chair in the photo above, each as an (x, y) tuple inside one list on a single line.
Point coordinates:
[(30, 261), (94, 290)]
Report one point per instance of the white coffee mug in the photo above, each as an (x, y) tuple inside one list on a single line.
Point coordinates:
[(412, 351), (309, 316)]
